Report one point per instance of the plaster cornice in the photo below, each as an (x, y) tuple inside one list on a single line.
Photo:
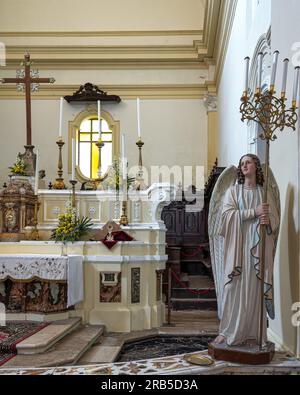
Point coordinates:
[(54, 92)]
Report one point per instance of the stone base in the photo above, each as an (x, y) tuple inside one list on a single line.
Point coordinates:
[(247, 354), (12, 237)]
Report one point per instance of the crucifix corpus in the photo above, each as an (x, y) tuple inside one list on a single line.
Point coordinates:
[(28, 80)]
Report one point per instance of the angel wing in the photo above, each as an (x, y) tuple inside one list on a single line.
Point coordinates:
[(273, 190), (273, 198), (216, 242)]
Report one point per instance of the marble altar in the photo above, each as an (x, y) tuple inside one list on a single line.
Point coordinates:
[(122, 286)]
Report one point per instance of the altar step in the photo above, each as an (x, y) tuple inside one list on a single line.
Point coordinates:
[(66, 351), (47, 337)]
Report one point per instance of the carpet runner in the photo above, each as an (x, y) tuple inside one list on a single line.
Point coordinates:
[(13, 333)]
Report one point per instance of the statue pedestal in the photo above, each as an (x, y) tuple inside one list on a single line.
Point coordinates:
[(247, 354)]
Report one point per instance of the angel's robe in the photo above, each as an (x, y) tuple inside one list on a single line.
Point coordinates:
[(241, 295)]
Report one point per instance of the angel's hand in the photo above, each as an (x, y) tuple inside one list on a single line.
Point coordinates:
[(264, 219), (262, 209)]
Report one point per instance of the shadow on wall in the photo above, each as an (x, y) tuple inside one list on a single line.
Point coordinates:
[(288, 270)]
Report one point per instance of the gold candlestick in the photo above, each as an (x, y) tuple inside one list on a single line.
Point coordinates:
[(100, 145), (139, 183), (124, 218), (59, 183), (73, 182)]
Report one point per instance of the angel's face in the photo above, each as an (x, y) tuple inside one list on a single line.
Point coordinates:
[(248, 166)]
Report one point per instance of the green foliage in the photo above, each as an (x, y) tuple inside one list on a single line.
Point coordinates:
[(114, 179), (18, 167), (71, 228)]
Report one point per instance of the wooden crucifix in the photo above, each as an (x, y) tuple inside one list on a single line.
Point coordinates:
[(27, 80)]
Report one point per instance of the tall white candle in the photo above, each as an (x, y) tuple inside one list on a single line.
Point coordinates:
[(60, 116), (284, 77), (123, 161), (274, 67), (296, 83), (247, 60), (99, 118), (259, 69), (73, 159), (138, 117), (36, 180)]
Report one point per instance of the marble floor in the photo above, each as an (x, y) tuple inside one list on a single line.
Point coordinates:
[(99, 360)]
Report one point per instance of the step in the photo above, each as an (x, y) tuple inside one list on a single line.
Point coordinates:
[(47, 337), (193, 315), (194, 304), (106, 352), (66, 352), (192, 293)]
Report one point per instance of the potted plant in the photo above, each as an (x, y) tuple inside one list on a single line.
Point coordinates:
[(19, 167), (70, 227)]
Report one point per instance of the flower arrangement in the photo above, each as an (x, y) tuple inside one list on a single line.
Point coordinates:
[(70, 227), (114, 178), (19, 167)]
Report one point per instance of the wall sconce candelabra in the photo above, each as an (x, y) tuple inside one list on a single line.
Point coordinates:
[(271, 113), (59, 183)]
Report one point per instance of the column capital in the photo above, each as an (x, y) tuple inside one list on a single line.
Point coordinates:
[(211, 103)]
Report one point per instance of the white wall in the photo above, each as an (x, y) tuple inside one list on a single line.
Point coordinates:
[(174, 132), (285, 163), (243, 40)]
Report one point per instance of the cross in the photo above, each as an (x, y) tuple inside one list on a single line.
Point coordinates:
[(27, 81)]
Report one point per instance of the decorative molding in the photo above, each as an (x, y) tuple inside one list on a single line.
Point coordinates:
[(74, 126), (211, 103), (227, 14), (167, 91), (211, 20), (120, 33), (91, 92), (135, 285)]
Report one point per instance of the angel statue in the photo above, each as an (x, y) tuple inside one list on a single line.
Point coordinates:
[(235, 215)]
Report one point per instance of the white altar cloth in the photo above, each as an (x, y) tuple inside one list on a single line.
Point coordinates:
[(46, 267)]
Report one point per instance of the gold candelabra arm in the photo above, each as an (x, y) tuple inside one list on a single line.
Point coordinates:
[(73, 183), (59, 183)]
